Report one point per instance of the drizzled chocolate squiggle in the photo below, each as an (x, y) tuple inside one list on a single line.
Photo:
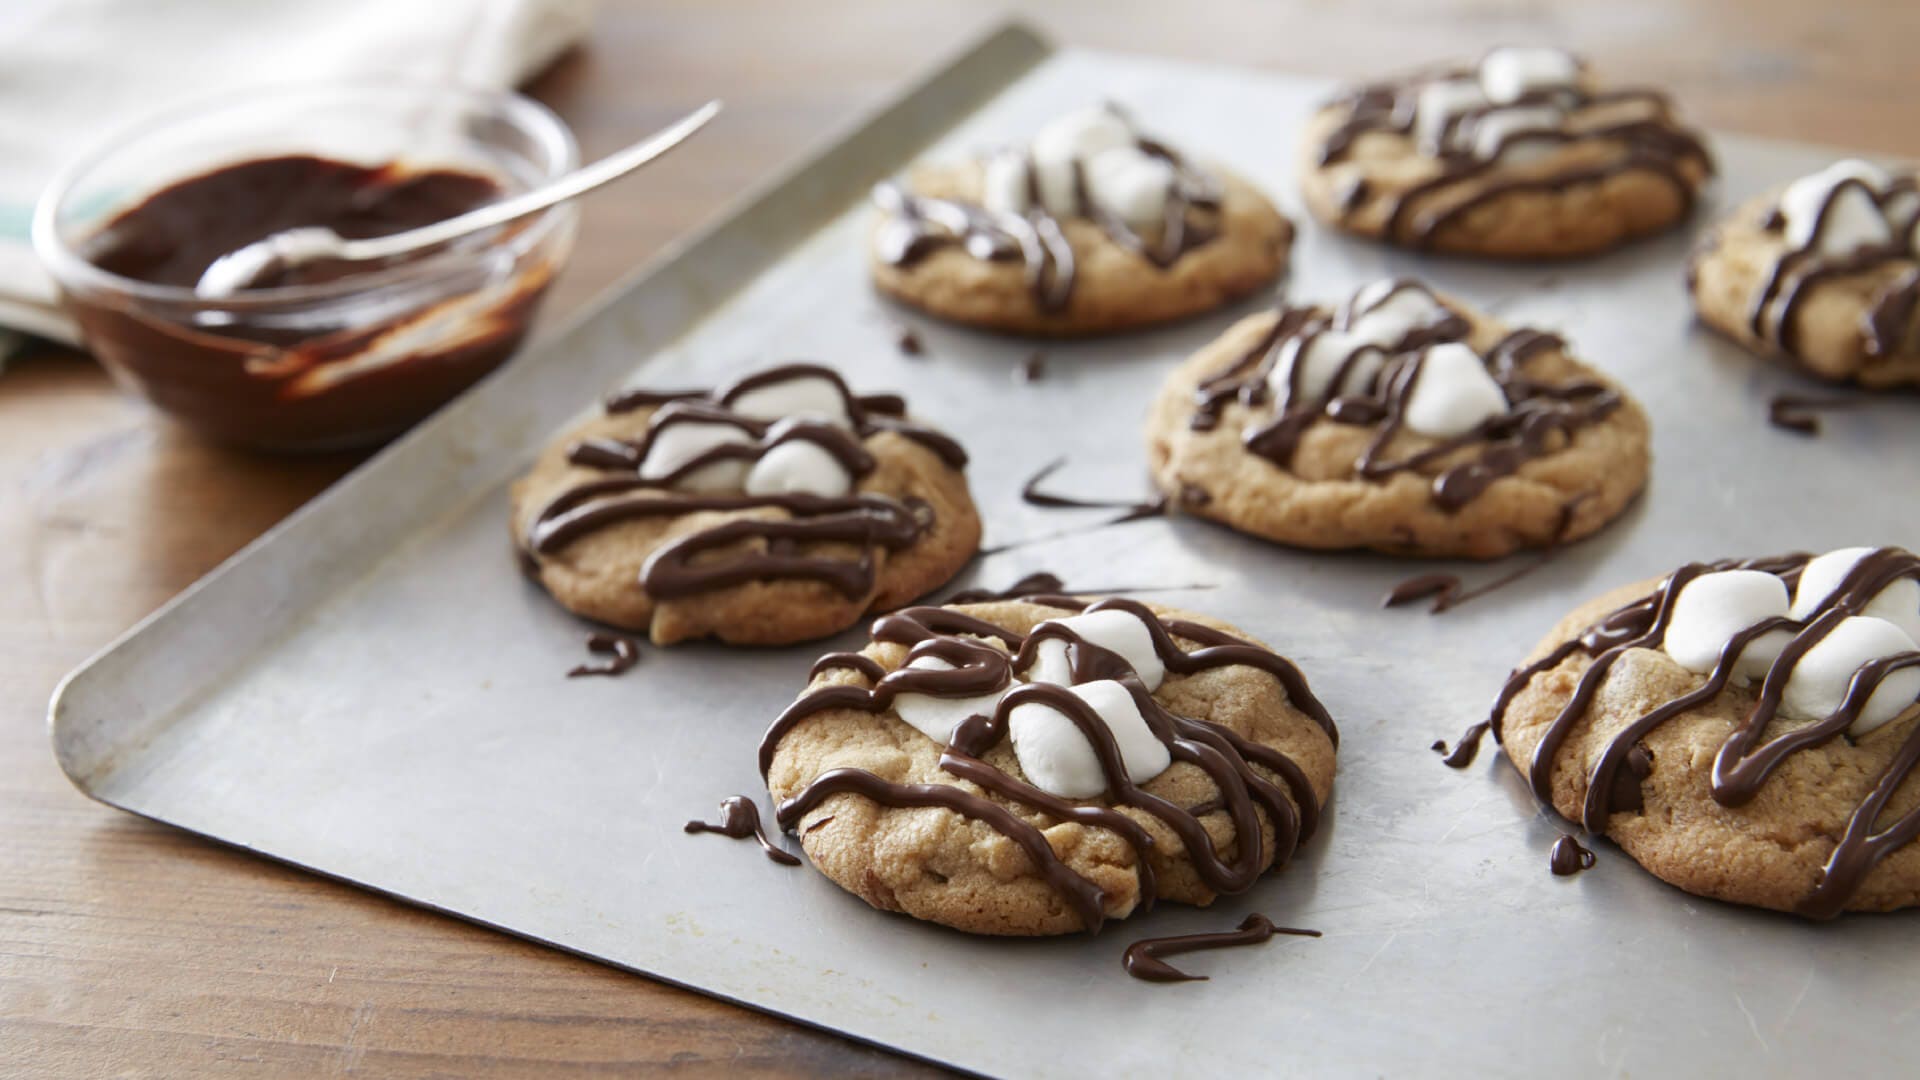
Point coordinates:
[(1536, 412), (1888, 318), (1746, 759), (1653, 142), (980, 667), (1145, 959), (913, 226), (683, 566)]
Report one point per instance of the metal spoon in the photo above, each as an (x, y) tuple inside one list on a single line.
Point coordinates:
[(282, 251)]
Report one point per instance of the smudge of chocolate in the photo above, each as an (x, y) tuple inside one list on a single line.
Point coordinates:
[(910, 343), (1568, 858), (1144, 959), (1032, 369), (740, 819), (621, 654), (1448, 591)]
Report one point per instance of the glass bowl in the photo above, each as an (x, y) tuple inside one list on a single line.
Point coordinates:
[(329, 363)]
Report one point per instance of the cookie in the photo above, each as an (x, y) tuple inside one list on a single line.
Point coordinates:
[(1401, 421), (1040, 765), (1523, 155), (779, 508), (1745, 730), (1824, 273), (1093, 228)]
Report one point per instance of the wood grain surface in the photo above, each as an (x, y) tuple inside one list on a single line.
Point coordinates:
[(129, 949)]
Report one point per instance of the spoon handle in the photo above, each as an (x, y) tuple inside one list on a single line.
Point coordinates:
[(578, 182)]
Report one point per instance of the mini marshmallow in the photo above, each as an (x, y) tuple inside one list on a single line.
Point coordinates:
[(1130, 184), (1492, 129), (1075, 136), (1004, 184), (1509, 73), (1820, 680), (936, 717), (1453, 393), (1712, 608), (808, 395), (798, 467), (1852, 222), (1057, 758), (1386, 313), (1438, 103), (1384, 316), (675, 443), (1898, 603), (1114, 630)]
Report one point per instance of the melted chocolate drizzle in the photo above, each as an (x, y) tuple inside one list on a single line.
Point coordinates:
[(1538, 414), (1654, 143), (980, 668), (1792, 412), (1031, 494), (1568, 858), (1449, 592), (1037, 582), (1747, 758), (775, 547), (1144, 959), (1887, 325), (914, 226), (740, 819), (621, 654)]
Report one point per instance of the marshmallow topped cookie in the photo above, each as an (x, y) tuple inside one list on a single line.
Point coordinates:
[(1090, 228), (1042, 764), (1401, 421), (1824, 272), (1523, 155), (779, 508), (1746, 730)]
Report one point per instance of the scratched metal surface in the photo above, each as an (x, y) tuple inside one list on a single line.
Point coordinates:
[(375, 693)]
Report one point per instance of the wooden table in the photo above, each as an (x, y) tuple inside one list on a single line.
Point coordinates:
[(129, 949)]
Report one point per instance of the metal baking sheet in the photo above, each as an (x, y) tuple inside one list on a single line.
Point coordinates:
[(374, 692)]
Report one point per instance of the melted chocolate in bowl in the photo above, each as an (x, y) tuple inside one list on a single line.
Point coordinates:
[(336, 370)]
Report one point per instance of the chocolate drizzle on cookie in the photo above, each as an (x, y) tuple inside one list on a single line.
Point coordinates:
[(1371, 387), (1478, 141), (984, 659), (913, 226), (1145, 959), (1747, 757), (750, 548), (1887, 324)]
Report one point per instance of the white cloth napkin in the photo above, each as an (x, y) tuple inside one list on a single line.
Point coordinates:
[(71, 71)]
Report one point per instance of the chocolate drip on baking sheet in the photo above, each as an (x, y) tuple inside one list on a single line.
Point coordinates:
[(740, 819), (1800, 414), (1887, 325), (1449, 592), (757, 547), (1568, 858), (914, 226), (1652, 142), (1145, 959), (1747, 757), (1031, 494), (1539, 416), (621, 654), (983, 658), (1037, 582)]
